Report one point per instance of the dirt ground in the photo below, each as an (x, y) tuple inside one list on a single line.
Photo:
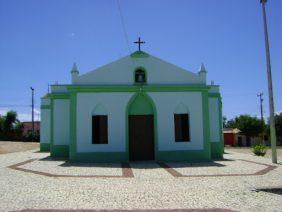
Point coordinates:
[(248, 150), (13, 146)]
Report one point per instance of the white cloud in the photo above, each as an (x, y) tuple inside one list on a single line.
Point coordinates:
[(71, 34)]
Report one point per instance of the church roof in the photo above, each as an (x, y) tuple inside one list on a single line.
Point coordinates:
[(157, 70)]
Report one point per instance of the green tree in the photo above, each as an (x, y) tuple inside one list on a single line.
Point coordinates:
[(248, 125), (10, 127)]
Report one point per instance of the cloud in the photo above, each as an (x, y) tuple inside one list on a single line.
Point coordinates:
[(71, 34)]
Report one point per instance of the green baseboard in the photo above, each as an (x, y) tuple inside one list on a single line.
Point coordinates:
[(217, 150), (59, 151), (178, 156), (44, 147)]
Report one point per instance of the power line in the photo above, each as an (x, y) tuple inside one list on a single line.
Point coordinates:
[(123, 26)]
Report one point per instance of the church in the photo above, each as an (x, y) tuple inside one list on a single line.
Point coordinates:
[(136, 108)]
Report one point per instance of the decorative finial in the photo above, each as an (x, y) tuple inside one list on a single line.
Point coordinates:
[(74, 68), (202, 68)]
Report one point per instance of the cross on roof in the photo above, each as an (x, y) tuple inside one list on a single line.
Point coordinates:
[(139, 43)]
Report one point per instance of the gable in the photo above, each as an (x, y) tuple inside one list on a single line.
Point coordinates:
[(121, 72)]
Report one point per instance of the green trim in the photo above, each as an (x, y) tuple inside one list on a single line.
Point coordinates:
[(136, 88), (217, 148), (221, 145), (215, 95), (206, 124), (44, 147), (52, 125), (73, 105), (59, 95), (59, 151), (139, 54), (186, 155), (45, 107)]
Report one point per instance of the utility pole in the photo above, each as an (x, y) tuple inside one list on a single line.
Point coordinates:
[(261, 116), (32, 110), (270, 90), (261, 109)]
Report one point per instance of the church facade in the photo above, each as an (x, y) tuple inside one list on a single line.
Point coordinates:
[(136, 108)]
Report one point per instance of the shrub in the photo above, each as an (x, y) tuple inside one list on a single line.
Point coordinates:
[(259, 149)]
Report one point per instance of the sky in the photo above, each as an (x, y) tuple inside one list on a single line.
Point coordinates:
[(40, 41)]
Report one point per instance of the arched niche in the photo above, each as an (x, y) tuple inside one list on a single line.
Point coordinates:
[(100, 110), (140, 104), (181, 109), (140, 75)]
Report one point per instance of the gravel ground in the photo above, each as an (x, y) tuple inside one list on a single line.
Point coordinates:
[(248, 150), (151, 188), (16, 146)]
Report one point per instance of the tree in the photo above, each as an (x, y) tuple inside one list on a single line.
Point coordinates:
[(10, 127), (248, 125)]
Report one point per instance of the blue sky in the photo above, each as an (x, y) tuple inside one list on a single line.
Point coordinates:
[(40, 40)]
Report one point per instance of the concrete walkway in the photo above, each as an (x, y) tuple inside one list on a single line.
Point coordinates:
[(30, 180)]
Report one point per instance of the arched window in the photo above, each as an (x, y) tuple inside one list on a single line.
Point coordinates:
[(181, 124), (99, 125), (140, 76)]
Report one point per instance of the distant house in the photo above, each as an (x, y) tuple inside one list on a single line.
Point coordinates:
[(230, 136), (27, 127), (234, 137)]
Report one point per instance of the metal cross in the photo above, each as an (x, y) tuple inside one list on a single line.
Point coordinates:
[(139, 43)]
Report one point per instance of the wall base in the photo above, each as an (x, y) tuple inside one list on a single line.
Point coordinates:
[(217, 150), (44, 147), (178, 156), (60, 151)]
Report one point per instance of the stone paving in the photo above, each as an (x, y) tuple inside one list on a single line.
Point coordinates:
[(30, 180)]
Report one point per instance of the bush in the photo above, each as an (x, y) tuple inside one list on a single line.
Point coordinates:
[(259, 149)]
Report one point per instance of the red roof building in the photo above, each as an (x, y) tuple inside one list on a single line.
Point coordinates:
[(27, 127)]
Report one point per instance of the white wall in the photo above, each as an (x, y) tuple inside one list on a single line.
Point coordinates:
[(166, 104), (122, 72), (45, 126), (61, 121), (115, 105), (214, 119)]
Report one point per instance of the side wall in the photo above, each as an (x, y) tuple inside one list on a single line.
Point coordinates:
[(45, 125), (215, 118), (60, 126)]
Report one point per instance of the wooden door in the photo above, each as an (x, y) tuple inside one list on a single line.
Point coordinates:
[(141, 137)]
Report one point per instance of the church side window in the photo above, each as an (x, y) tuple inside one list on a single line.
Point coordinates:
[(99, 129), (140, 76), (181, 127)]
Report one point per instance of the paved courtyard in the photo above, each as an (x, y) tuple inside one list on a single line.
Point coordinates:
[(33, 180)]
